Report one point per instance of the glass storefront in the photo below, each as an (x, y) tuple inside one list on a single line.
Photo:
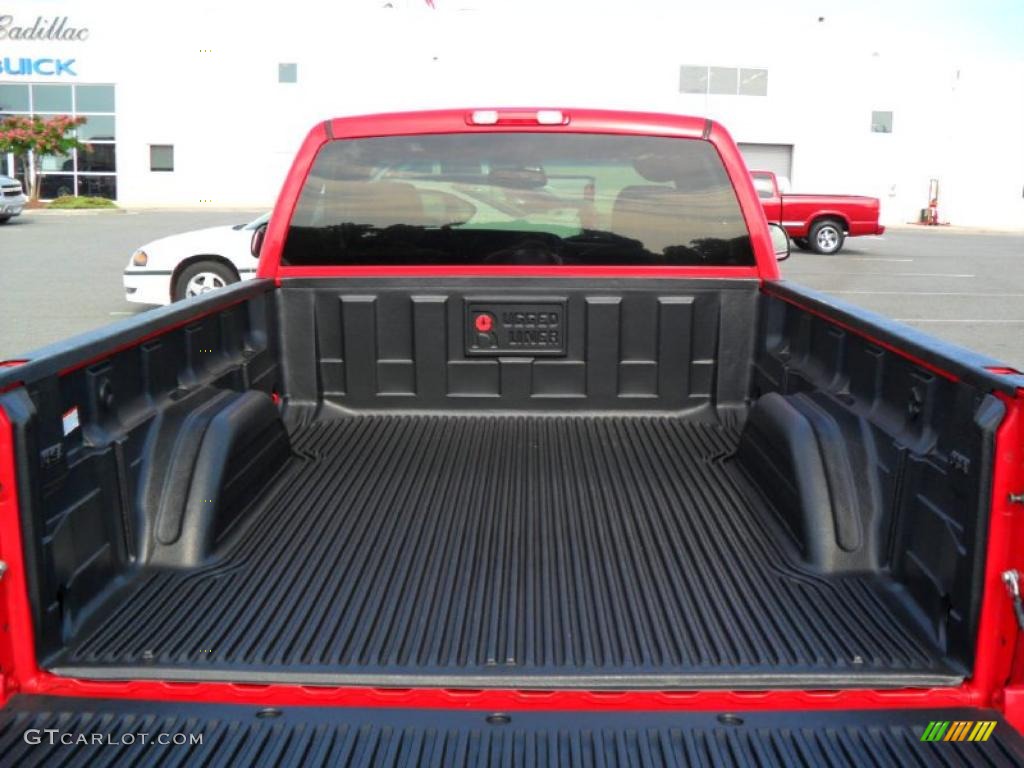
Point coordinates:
[(89, 171)]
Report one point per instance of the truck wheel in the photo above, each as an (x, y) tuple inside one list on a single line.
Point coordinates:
[(826, 236), (801, 243), (202, 277)]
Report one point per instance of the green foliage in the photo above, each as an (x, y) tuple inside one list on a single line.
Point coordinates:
[(41, 136), (71, 202)]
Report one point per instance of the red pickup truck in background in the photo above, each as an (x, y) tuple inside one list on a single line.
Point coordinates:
[(820, 223)]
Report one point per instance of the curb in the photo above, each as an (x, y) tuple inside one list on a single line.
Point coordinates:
[(953, 229), (70, 211)]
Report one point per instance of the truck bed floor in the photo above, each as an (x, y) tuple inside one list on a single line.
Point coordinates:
[(586, 551)]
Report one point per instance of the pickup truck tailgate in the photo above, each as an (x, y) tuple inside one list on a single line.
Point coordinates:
[(64, 731)]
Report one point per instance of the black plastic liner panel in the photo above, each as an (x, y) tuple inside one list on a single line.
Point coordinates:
[(506, 482), (457, 344), (543, 551), (228, 734), (83, 411)]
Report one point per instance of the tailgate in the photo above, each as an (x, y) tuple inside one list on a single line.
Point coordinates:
[(37, 730)]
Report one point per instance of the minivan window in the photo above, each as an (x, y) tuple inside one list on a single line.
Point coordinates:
[(518, 198)]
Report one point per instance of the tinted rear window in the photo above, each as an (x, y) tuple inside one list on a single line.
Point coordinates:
[(518, 198)]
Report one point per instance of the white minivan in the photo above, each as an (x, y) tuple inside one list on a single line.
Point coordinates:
[(192, 263), (12, 198)]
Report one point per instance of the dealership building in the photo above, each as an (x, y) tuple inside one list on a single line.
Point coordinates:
[(197, 105)]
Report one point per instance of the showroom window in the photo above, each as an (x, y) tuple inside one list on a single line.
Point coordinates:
[(161, 157), (693, 80), (753, 82), (287, 73), (88, 171), (724, 81), (881, 122)]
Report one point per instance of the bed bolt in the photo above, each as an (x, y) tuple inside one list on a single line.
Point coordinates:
[(1017, 498), (915, 403), (106, 394), (1011, 579), (3, 568)]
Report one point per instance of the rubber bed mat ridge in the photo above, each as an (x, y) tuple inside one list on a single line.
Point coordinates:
[(589, 551)]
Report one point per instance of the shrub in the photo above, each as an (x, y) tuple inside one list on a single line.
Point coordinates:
[(67, 201)]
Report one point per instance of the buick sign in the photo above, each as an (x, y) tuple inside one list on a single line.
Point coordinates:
[(43, 67)]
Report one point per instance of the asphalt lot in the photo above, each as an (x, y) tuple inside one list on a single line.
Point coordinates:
[(62, 275), (965, 287)]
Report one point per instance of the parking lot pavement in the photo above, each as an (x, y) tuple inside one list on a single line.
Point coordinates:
[(61, 275), (965, 287)]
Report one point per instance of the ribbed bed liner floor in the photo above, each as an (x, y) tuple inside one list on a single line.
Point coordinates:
[(186, 734), (593, 551)]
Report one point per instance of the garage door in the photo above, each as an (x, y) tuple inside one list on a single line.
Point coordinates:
[(777, 158)]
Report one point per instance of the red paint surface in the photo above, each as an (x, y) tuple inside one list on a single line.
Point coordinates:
[(457, 121), (877, 342), (1013, 706), (137, 341), (996, 637), (17, 645), (1000, 640), (997, 630), (508, 270), (506, 700)]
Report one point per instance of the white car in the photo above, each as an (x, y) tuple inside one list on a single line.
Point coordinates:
[(12, 198), (192, 263)]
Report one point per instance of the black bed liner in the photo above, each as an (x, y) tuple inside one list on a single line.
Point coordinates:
[(325, 736), (516, 550)]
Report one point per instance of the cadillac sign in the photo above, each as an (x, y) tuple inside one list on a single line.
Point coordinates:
[(52, 30), (42, 29)]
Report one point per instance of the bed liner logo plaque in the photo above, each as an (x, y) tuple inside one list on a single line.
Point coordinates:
[(511, 328)]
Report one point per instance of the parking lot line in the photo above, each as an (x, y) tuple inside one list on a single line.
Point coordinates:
[(873, 258), (882, 274), (974, 320), (966, 294)]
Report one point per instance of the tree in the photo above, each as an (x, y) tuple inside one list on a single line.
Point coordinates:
[(34, 136)]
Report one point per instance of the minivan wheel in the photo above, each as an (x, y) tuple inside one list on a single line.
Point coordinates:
[(202, 277), (826, 236)]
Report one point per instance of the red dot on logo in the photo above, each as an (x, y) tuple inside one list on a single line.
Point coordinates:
[(484, 323)]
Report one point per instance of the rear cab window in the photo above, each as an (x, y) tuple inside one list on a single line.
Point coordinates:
[(518, 199)]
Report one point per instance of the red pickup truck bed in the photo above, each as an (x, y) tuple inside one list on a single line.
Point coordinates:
[(514, 551), (535, 462)]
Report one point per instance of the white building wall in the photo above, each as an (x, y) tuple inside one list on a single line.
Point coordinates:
[(204, 78)]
